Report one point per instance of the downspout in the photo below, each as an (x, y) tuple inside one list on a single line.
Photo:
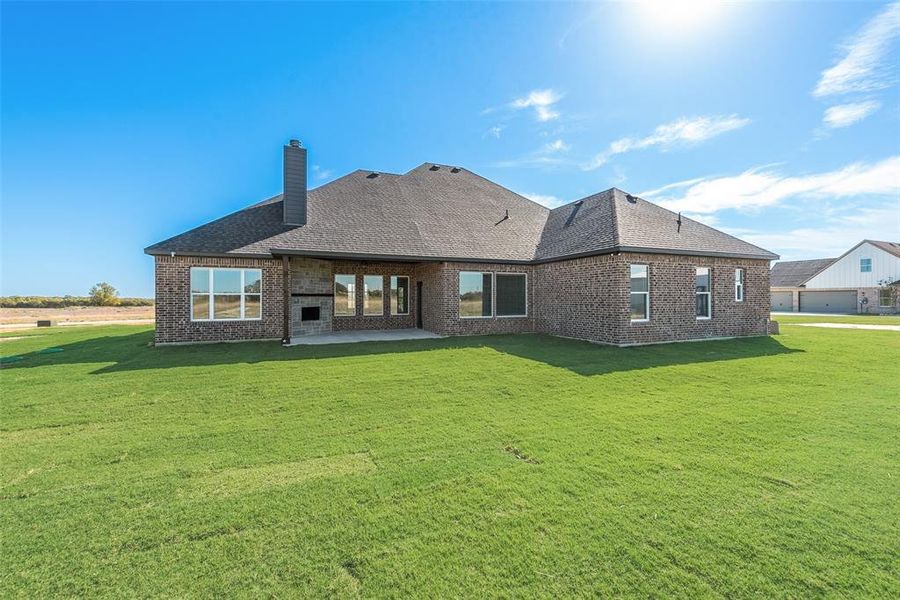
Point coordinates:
[(286, 285)]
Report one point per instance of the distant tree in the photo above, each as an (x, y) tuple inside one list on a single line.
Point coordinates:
[(104, 294)]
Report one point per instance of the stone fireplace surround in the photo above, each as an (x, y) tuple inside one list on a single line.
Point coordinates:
[(311, 287)]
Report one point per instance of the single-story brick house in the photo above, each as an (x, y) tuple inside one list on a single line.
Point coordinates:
[(443, 249)]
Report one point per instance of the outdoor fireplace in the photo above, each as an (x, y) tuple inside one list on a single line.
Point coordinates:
[(310, 313)]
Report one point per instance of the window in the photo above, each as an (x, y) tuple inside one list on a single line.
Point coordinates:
[(640, 293), (344, 295), (704, 299), (373, 295), (399, 295), (738, 285), (475, 295), (226, 294), (512, 300), (884, 298), (865, 265)]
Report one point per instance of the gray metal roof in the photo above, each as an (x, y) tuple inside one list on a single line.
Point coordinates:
[(794, 273), (451, 213)]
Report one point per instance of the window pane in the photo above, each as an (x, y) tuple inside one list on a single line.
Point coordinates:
[(227, 306), (226, 282), (639, 280), (511, 295), (884, 297), (702, 279), (199, 280), (252, 306), (201, 306), (373, 295), (399, 295), (639, 306), (345, 295), (702, 305), (474, 294), (252, 281)]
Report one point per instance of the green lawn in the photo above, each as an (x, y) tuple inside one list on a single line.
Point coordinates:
[(862, 319), (509, 466)]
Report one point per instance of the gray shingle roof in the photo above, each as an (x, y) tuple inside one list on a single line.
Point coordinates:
[(889, 247), (451, 213), (794, 273)]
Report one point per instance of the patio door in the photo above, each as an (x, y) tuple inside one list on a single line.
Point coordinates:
[(419, 304)]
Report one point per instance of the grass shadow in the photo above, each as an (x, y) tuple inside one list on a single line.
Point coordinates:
[(132, 352)]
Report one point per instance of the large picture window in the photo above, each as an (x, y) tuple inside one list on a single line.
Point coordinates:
[(703, 291), (373, 295), (399, 295), (344, 295), (738, 285), (640, 293), (512, 296), (475, 295), (226, 294)]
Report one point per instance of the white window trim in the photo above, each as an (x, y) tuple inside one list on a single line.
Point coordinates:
[(364, 313), (738, 285), (211, 295), (494, 292), (390, 291), (861, 270), (334, 312), (647, 293), (889, 303), (708, 294)]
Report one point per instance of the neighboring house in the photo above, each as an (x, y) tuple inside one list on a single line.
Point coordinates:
[(857, 281), (444, 249)]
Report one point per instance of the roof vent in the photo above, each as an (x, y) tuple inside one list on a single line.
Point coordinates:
[(434, 168), (371, 175), (578, 202), (631, 198), (454, 170)]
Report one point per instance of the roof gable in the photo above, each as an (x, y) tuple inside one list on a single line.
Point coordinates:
[(795, 273)]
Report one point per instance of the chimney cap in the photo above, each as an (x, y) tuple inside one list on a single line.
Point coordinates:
[(294, 143)]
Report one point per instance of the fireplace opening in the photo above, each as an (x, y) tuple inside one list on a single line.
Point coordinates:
[(309, 313)]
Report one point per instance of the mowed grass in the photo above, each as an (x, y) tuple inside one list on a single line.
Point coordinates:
[(858, 319), (506, 466)]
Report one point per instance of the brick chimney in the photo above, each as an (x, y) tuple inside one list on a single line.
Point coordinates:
[(294, 184)]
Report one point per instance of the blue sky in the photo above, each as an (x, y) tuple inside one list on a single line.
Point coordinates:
[(124, 124)]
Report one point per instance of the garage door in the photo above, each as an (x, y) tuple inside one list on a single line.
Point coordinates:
[(828, 302), (783, 301)]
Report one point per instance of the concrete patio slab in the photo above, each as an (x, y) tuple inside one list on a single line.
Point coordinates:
[(350, 337)]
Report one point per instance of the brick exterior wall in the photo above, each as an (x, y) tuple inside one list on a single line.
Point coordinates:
[(586, 298), (173, 302)]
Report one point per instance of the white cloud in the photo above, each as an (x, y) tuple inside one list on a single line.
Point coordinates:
[(319, 173), (758, 188), (843, 115), (545, 199), (556, 146), (681, 132), (863, 67), (494, 132), (542, 101), (834, 237)]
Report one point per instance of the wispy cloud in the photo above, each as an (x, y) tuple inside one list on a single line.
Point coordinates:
[(494, 132), (319, 173), (835, 236), (758, 188), (686, 131), (843, 115), (863, 67), (545, 199), (549, 155), (542, 101)]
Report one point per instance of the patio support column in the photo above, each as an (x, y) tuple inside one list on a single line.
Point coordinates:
[(286, 279)]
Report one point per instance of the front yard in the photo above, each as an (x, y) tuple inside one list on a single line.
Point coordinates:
[(495, 466)]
